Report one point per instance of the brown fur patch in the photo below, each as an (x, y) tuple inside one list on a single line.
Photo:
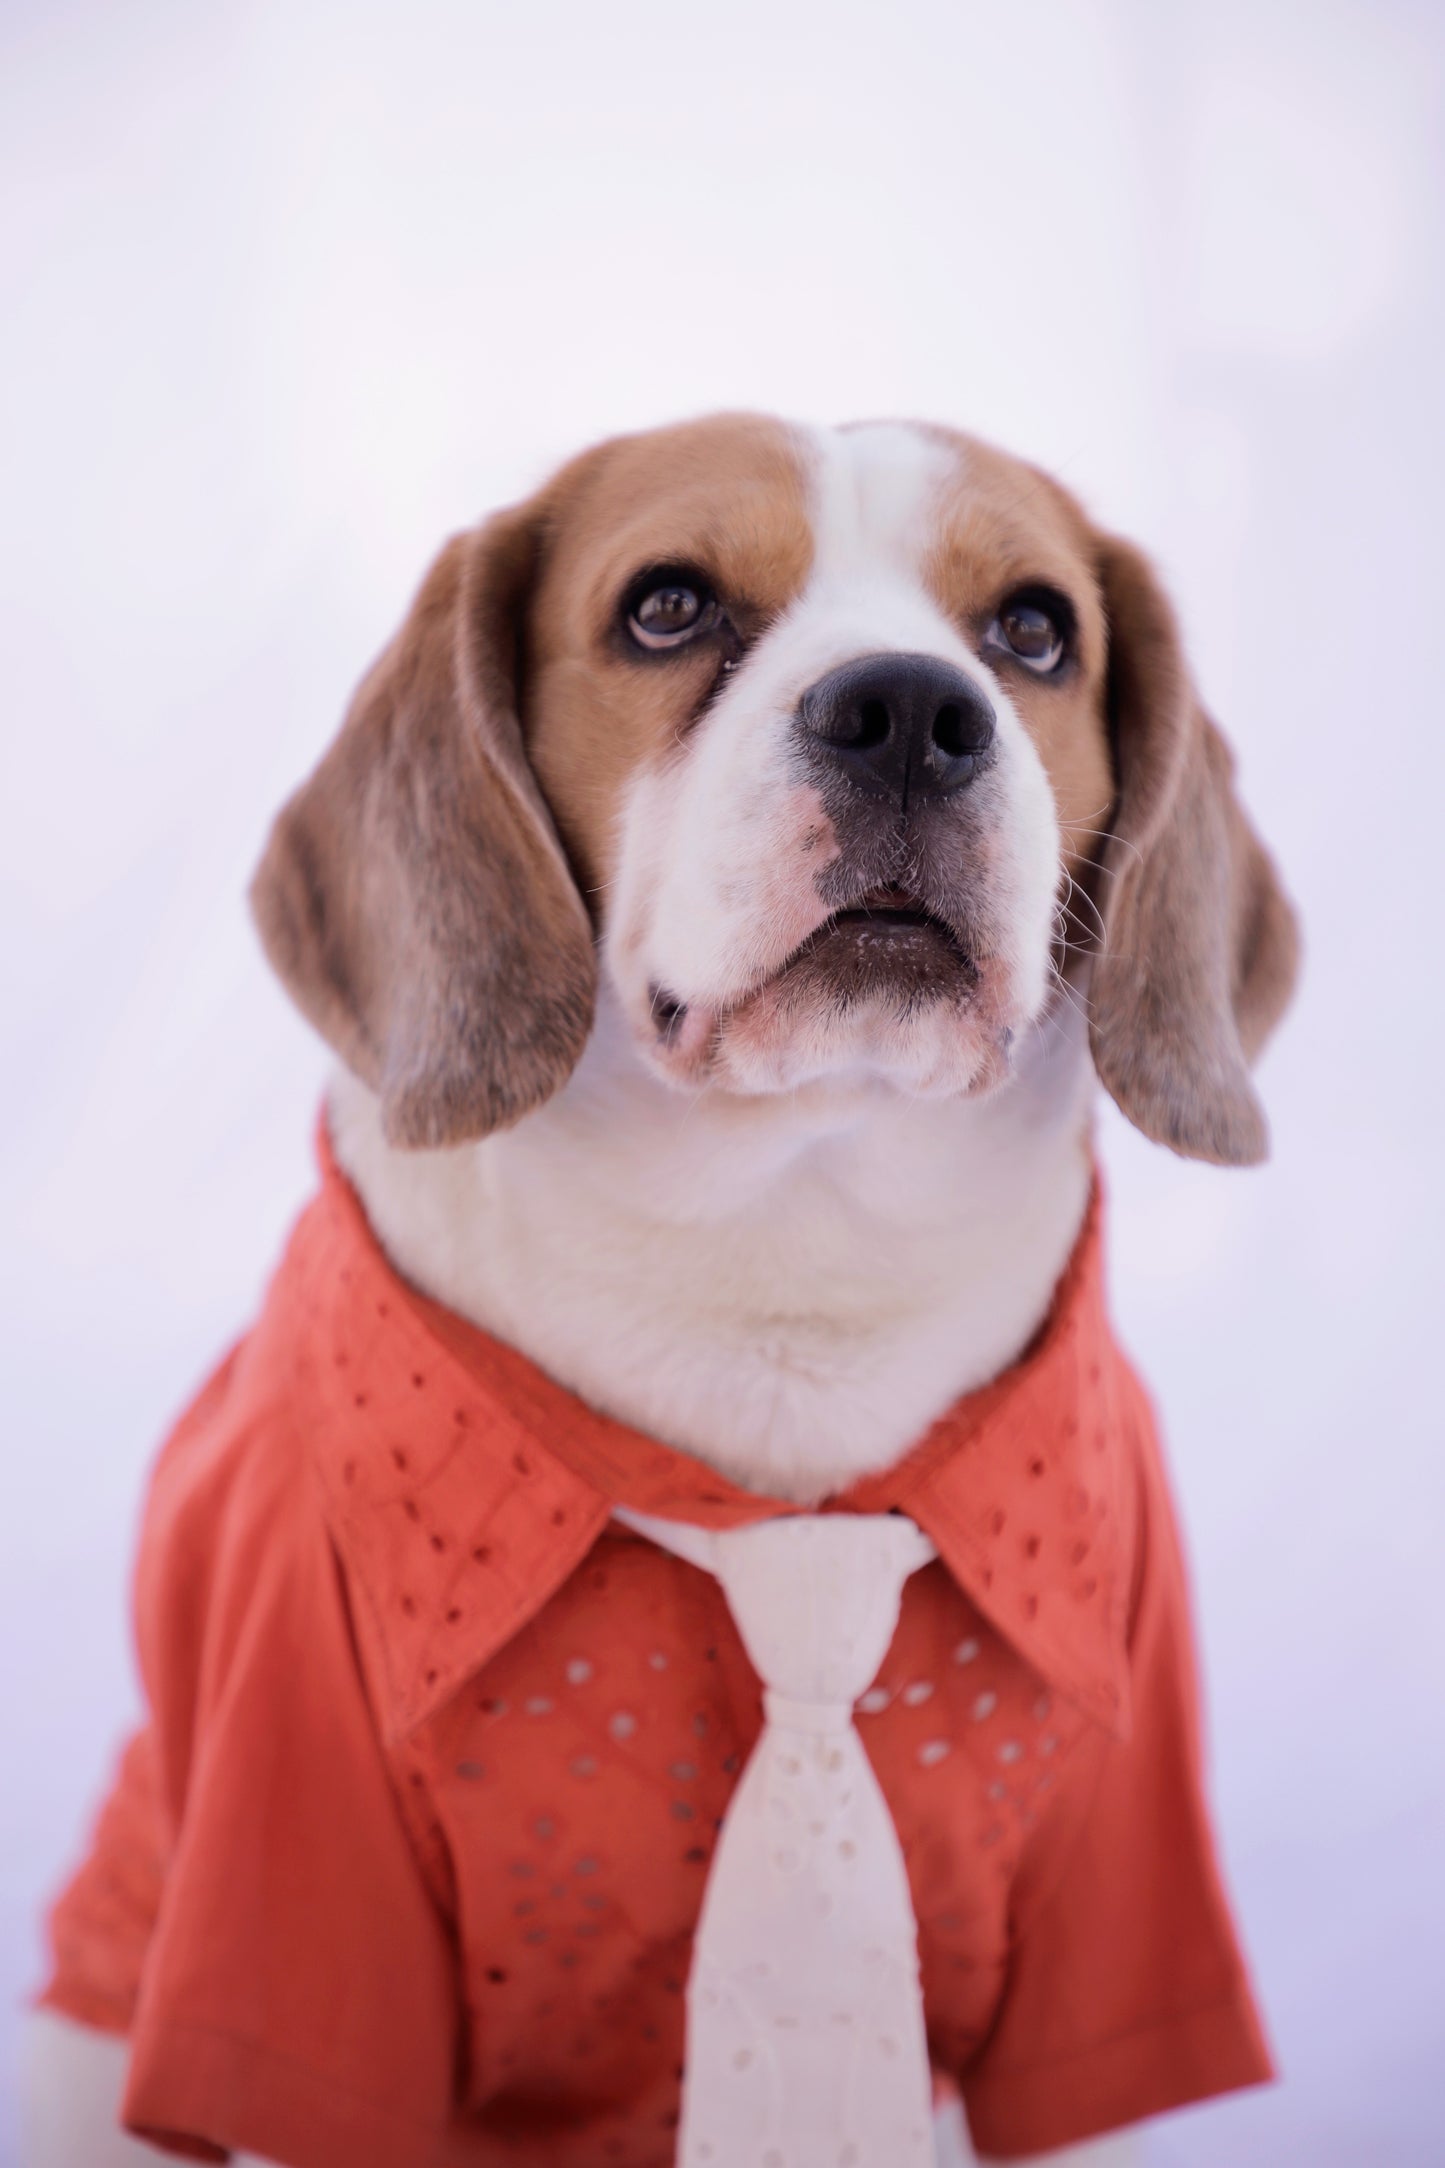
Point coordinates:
[(413, 897), (1003, 525), (1201, 947), (725, 496)]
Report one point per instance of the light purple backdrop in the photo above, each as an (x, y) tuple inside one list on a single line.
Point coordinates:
[(290, 289)]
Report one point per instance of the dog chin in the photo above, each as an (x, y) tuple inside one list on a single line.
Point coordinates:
[(931, 1041), (933, 1052)]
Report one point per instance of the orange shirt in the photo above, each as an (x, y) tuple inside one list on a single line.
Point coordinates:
[(405, 1867)]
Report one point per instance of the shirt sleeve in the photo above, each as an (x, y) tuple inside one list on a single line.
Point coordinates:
[(1126, 1992), (296, 1995), (101, 1924)]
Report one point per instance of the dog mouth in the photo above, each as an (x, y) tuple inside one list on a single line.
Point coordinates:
[(886, 912), (887, 944)]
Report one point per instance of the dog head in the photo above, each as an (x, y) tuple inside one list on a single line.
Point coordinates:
[(837, 751)]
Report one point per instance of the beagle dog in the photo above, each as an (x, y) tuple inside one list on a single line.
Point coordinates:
[(725, 895)]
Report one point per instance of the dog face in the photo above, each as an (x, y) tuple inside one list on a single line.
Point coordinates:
[(854, 742), (822, 799)]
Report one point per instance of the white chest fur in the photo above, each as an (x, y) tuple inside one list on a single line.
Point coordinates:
[(789, 1288)]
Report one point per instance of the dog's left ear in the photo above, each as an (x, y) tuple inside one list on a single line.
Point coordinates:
[(414, 896), (1200, 946)]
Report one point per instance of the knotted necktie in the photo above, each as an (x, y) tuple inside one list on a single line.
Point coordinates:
[(805, 2036)]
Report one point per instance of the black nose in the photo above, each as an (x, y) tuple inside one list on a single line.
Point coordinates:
[(907, 725)]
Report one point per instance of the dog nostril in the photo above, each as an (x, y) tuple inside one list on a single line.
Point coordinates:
[(958, 745), (952, 734), (948, 730), (873, 725), (960, 734)]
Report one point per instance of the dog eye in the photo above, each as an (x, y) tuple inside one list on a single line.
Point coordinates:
[(1033, 632), (670, 609)]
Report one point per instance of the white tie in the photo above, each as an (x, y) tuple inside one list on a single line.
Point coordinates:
[(805, 2036)]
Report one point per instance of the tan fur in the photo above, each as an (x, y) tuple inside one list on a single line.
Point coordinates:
[(723, 495), (1002, 526)]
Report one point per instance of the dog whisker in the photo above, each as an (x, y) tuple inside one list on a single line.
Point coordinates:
[(1107, 835), (1085, 898)]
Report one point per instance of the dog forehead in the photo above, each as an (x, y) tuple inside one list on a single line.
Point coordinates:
[(875, 492), (771, 508), (763, 501)]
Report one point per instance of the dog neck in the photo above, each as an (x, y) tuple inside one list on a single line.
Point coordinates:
[(790, 1288)]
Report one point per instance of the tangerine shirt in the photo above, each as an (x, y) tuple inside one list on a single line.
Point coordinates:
[(405, 1866)]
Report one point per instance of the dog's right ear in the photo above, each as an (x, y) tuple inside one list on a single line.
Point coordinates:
[(414, 897)]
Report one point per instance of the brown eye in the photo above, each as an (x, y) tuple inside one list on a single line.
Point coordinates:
[(670, 610), (1032, 632)]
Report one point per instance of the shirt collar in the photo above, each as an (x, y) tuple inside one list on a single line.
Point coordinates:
[(463, 1486)]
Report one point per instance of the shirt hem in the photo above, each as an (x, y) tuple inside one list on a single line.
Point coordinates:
[(90, 2007), (1041, 2106), (202, 2095)]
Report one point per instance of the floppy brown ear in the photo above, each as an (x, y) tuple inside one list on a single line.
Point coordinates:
[(414, 897), (1200, 946)]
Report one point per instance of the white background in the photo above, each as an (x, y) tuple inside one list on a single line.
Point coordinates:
[(290, 290)]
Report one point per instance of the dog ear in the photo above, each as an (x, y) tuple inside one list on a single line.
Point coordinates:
[(1200, 948), (414, 897)]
